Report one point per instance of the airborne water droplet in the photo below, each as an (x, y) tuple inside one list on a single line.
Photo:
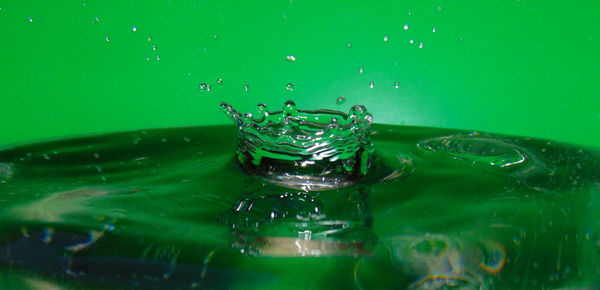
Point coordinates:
[(433, 30), (246, 88), (149, 38), (396, 85), (154, 47), (290, 58), (371, 84), (405, 27), (216, 36), (134, 29), (411, 41), (349, 44), (421, 45), (220, 81), (30, 19), (289, 87), (107, 39), (204, 87), (385, 38), (340, 100), (361, 70)]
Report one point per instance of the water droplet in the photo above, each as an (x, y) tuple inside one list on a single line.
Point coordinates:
[(133, 28), (107, 38), (154, 47), (147, 58), (385, 38), (340, 100), (289, 87), (439, 8), (409, 13), (289, 108), (220, 81), (149, 38), (361, 70), (158, 57), (96, 20), (460, 39), (405, 27), (84, 4), (421, 45), (349, 44), (411, 41), (246, 87), (371, 84), (290, 58), (262, 109), (433, 30), (203, 87), (396, 85), (30, 19)]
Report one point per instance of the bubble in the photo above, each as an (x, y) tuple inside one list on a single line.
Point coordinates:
[(371, 84), (154, 47), (340, 100), (133, 28), (203, 87), (385, 38), (246, 87), (107, 38), (405, 27), (361, 70), (289, 87), (421, 45), (290, 58), (396, 85), (433, 30), (220, 81)]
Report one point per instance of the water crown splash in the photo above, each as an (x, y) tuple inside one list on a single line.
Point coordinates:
[(304, 149)]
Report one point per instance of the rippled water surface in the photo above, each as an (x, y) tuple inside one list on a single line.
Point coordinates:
[(170, 208)]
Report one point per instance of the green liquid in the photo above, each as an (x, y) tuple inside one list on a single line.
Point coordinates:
[(171, 208)]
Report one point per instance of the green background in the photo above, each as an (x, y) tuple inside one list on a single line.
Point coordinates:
[(518, 67)]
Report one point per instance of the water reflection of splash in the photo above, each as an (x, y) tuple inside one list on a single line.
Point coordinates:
[(437, 261), (269, 220), (6, 171)]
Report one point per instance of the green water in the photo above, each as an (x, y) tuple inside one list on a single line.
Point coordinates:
[(170, 208)]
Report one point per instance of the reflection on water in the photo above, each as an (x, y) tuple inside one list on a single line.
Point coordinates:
[(169, 208), (270, 220)]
